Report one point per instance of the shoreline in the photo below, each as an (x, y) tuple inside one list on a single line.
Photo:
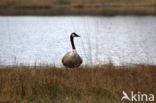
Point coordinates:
[(107, 11), (131, 65), (85, 7)]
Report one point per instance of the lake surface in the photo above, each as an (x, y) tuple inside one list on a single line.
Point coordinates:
[(31, 40)]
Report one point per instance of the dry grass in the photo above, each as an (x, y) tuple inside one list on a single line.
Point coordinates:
[(98, 84)]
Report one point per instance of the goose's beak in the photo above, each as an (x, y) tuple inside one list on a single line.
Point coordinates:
[(78, 35)]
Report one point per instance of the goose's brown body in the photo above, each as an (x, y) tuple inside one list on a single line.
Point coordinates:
[(72, 59)]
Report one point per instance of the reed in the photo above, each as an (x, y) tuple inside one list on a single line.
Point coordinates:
[(96, 84)]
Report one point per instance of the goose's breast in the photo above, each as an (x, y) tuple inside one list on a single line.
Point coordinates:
[(72, 58)]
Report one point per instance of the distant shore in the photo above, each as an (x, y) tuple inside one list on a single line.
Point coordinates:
[(77, 7), (108, 10)]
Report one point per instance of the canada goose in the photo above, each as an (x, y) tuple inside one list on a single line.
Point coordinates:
[(72, 59)]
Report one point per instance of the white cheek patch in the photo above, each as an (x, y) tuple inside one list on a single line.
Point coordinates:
[(73, 35)]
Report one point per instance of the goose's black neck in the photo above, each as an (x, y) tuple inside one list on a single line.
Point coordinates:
[(72, 42)]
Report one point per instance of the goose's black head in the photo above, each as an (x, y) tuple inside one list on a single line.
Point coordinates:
[(74, 35)]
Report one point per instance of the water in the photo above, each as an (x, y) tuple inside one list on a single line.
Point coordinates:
[(45, 40)]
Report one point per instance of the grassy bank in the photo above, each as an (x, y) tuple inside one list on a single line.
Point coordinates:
[(77, 7), (99, 84)]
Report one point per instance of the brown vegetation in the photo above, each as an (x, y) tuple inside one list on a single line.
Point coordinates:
[(98, 84), (92, 7)]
